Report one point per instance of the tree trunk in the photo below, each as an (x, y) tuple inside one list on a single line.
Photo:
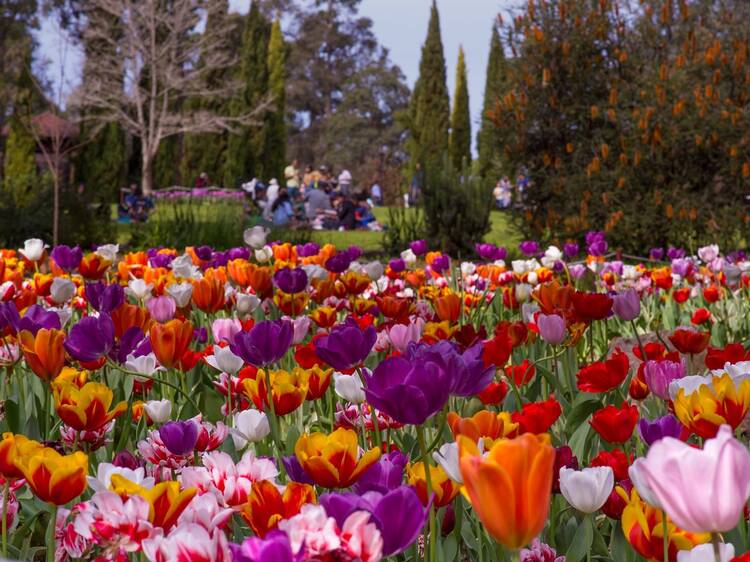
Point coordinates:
[(147, 172), (55, 207)]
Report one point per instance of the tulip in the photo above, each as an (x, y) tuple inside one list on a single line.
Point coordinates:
[(603, 376), (444, 488), (346, 346), (288, 388), (274, 548), (706, 553), (564, 458), (250, 426), (182, 293), (627, 305), (400, 335), (349, 387), (264, 254), (91, 338), (170, 341), (716, 400), (104, 298), (162, 309), (384, 475), (587, 490), (139, 289), (290, 280), (13, 447), (265, 343), (167, 501), (485, 425), (179, 437), (672, 469), (143, 364), (266, 505), (468, 372), (510, 487), (551, 328), (62, 290), (33, 249), (225, 360), (666, 426), (419, 247), (86, 408), (540, 552), (613, 424), (208, 294), (246, 304), (223, 330), (67, 258), (333, 461), (44, 352), (255, 237), (54, 478), (158, 410), (659, 375), (537, 417), (375, 270)]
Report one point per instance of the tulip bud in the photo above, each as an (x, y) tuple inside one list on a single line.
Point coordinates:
[(349, 387), (255, 237), (62, 290), (246, 304), (250, 426), (264, 254), (33, 249), (162, 309), (587, 489), (158, 410), (705, 553), (551, 328), (627, 305), (181, 293)]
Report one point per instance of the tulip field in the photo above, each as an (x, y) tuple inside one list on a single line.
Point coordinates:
[(282, 403)]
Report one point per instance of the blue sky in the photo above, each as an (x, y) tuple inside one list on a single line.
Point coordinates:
[(400, 25)]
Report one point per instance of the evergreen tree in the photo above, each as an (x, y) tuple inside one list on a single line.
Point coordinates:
[(460, 139), (430, 106), (101, 164), (245, 149), (19, 164), (166, 169), (489, 142), (275, 149)]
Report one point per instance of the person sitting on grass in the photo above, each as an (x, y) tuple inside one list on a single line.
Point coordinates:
[(282, 210)]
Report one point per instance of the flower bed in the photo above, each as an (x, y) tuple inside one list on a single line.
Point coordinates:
[(282, 403)]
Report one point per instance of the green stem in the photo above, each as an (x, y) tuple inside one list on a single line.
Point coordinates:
[(665, 538), (428, 480), (160, 381), (273, 420), (51, 527), (6, 490), (479, 530), (716, 541)]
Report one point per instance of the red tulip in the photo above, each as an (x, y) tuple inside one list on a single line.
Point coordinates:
[(690, 341), (604, 376), (497, 351), (617, 460), (681, 295), (592, 306), (495, 393), (613, 424), (537, 417), (717, 357), (521, 374), (701, 316)]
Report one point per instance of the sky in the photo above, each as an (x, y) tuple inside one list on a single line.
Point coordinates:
[(400, 25)]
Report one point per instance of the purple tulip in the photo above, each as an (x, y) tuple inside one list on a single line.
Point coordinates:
[(656, 254), (577, 270), (162, 309), (204, 253), (307, 250), (384, 475), (161, 260), (441, 263), (419, 247), (125, 459), (551, 328), (397, 265), (104, 298), (682, 267), (200, 334), (180, 437), (468, 372), (290, 281), (37, 318), (399, 514), (9, 317), (354, 252), (238, 254), (529, 247), (571, 250), (675, 253), (596, 244), (133, 342), (652, 431), (409, 392), (346, 346), (265, 343), (274, 547), (486, 251), (627, 305), (91, 338), (338, 263), (67, 258), (295, 471), (659, 374)]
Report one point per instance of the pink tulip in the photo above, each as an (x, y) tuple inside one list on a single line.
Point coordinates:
[(401, 335), (551, 328), (224, 329), (701, 490), (162, 309)]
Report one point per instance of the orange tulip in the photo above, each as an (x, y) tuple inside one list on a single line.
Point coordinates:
[(44, 353), (319, 381), (208, 294), (324, 316), (53, 478), (170, 341), (93, 266), (261, 280), (443, 487), (266, 505), (285, 253), (509, 488), (69, 375), (485, 425), (288, 388), (333, 461), (448, 307), (13, 447), (132, 265), (239, 271), (86, 408), (128, 316)]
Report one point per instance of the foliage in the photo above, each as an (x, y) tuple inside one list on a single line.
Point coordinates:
[(631, 118), (101, 164), (429, 109), (457, 207), (460, 137), (404, 225), (489, 143), (17, 20), (166, 173), (274, 153)]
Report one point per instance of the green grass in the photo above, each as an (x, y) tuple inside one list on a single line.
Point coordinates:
[(501, 233)]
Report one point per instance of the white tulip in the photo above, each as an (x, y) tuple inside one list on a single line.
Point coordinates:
[(158, 410), (523, 292), (108, 251), (705, 553), (65, 314), (374, 270), (409, 257), (640, 484), (551, 256), (468, 268), (349, 387), (139, 289), (62, 290), (587, 490), (33, 249), (105, 470), (246, 304), (181, 293), (739, 371), (255, 237), (532, 278), (519, 266), (264, 254), (250, 426), (183, 267), (314, 271), (225, 360), (143, 364)]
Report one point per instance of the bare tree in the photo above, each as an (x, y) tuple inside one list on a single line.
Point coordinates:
[(153, 57)]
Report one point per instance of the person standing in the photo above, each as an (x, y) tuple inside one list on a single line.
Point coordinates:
[(291, 176), (271, 194), (345, 181), (376, 193), (415, 189)]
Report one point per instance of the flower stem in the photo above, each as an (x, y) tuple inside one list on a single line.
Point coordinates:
[(6, 490), (51, 531), (716, 541), (665, 533), (428, 480)]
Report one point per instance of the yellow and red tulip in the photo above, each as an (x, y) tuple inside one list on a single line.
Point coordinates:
[(86, 408), (267, 505), (723, 401), (334, 461), (13, 447), (54, 478), (44, 352), (288, 388), (443, 487)]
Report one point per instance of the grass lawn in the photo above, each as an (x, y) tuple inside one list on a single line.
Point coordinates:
[(501, 233)]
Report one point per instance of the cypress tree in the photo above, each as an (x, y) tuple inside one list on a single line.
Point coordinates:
[(488, 139), (460, 139), (275, 151), (101, 164), (430, 107), (19, 164), (245, 149)]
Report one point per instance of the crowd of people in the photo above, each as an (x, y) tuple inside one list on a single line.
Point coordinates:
[(506, 194), (316, 198)]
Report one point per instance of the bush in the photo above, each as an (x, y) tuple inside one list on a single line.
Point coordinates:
[(404, 225)]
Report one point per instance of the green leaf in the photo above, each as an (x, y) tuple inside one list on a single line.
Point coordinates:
[(619, 547), (582, 541), (291, 439), (577, 441), (583, 406), (450, 549)]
